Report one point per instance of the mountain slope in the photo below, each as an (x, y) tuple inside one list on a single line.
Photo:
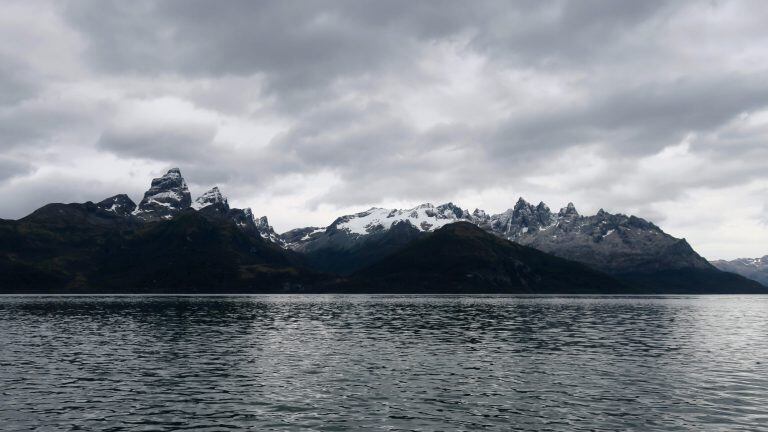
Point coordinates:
[(81, 248), (54, 247), (195, 253), (461, 257), (337, 253)]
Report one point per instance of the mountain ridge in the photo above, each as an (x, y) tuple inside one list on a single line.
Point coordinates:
[(59, 243)]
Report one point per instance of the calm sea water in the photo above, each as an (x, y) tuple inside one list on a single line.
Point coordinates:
[(384, 363)]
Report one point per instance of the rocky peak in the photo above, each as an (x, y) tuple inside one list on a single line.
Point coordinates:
[(121, 205), (568, 211), (267, 232), (480, 216), (212, 197), (452, 210), (166, 197), (262, 223), (521, 205), (544, 215)]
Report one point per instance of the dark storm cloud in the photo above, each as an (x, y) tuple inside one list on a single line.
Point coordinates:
[(13, 85), (300, 47), (306, 44), (183, 143), (10, 168), (312, 53), (562, 33), (639, 119)]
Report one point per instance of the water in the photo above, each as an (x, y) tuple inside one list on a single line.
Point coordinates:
[(384, 363)]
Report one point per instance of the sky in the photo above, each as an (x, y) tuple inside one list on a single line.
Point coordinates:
[(307, 110)]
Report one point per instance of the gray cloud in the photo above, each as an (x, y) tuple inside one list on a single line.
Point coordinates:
[(171, 144), (10, 168)]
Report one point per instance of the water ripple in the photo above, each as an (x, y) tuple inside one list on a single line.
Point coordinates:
[(338, 363)]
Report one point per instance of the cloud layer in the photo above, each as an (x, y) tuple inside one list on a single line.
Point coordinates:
[(307, 110)]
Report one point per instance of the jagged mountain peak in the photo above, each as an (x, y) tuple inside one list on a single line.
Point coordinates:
[(480, 215), (211, 197), (521, 204), (266, 231), (569, 210), (167, 196), (262, 222)]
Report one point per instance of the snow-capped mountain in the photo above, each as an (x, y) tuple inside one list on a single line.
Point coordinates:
[(612, 243), (753, 268), (351, 229), (167, 196), (212, 197), (424, 217)]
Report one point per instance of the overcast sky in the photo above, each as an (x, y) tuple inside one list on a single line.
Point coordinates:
[(308, 110)]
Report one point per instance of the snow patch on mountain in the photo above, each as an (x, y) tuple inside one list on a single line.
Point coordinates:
[(266, 231), (424, 217), (120, 205)]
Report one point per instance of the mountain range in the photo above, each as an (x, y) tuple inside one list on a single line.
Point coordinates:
[(170, 243), (752, 268)]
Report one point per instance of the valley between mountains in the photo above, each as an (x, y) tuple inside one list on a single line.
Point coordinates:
[(168, 243)]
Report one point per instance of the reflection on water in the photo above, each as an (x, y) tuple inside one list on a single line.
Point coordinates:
[(384, 362)]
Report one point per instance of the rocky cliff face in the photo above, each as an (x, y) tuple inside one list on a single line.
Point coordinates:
[(167, 196), (752, 268)]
